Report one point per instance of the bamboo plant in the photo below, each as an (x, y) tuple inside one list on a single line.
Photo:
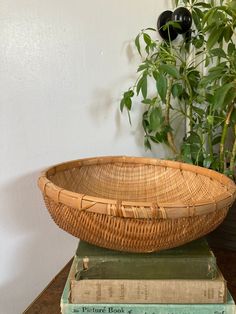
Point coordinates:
[(194, 77)]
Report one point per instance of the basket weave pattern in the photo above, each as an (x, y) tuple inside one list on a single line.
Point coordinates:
[(132, 235), (136, 204)]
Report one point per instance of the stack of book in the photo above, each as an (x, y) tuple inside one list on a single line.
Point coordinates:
[(182, 280)]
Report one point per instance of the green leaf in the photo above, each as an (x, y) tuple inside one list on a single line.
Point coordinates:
[(128, 94), (219, 66), (193, 77), (155, 75), (199, 98), (199, 52), (147, 39), (210, 27), (137, 44), (155, 139), (129, 117), (210, 119), (196, 152), (122, 104), (207, 161), (229, 173), (186, 153), (215, 164), (147, 144), (233, 116), (145, 121), (203, 5), (198, 110), (170, 69), (220, 94), (194, 138), (150, 29), (196, 19), (228, 33), (207, 61), (155, 118), (216, 140), (232, 5), (147, 101), (144, 86), (209, 97), (231, 49), (177, 90), (219, 52), (142, 67), (159, 137), (128, 103), (147, 49), (212, 76), (161, 84), (126, 100), (213, 37), (226, 10), (230, 96), (198, 42), (208, 15), (174, 24)]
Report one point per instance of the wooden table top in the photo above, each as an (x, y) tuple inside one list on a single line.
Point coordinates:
[(48, 302)]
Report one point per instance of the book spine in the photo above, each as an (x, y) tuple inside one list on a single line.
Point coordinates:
[(150, 309), (162, 268), (148, 291), (194, 260)]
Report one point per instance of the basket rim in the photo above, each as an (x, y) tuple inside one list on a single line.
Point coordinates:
[(87, 202)]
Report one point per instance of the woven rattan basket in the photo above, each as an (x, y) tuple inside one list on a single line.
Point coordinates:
[(136, 204)]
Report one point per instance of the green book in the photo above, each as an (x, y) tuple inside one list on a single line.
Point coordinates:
[(68, 308), (194, 260)]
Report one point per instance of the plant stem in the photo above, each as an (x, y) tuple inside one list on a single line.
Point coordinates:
[(233, 156), (210, 135), (223, 137), (170, 137), (190, 105)]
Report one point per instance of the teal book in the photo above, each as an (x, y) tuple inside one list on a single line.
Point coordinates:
[(68, 308), (194, 260)]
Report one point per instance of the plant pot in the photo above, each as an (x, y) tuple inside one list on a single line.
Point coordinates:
[(225, 235)]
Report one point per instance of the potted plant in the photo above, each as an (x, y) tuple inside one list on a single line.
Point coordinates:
[(194, 77)]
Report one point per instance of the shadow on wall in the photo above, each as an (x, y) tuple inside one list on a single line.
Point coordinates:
[(101, 106), (105, 102), (31, 252), (104, 109)]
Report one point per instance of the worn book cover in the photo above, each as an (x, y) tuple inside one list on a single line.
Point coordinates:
[(146, 291), (68, 308), (194, 260)]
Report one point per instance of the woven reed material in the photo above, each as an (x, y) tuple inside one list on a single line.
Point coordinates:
[(136, 204), (131, 234)]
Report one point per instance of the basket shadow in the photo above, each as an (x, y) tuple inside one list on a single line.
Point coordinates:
[(33, 248)]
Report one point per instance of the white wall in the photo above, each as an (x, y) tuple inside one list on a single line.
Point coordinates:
[(63, 67)]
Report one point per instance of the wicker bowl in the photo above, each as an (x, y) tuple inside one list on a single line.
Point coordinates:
[(136, 204)]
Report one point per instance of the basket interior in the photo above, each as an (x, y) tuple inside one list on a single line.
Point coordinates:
[(138, 182)]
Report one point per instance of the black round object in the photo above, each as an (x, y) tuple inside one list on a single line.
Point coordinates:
[(163, 18), (184, 17)]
